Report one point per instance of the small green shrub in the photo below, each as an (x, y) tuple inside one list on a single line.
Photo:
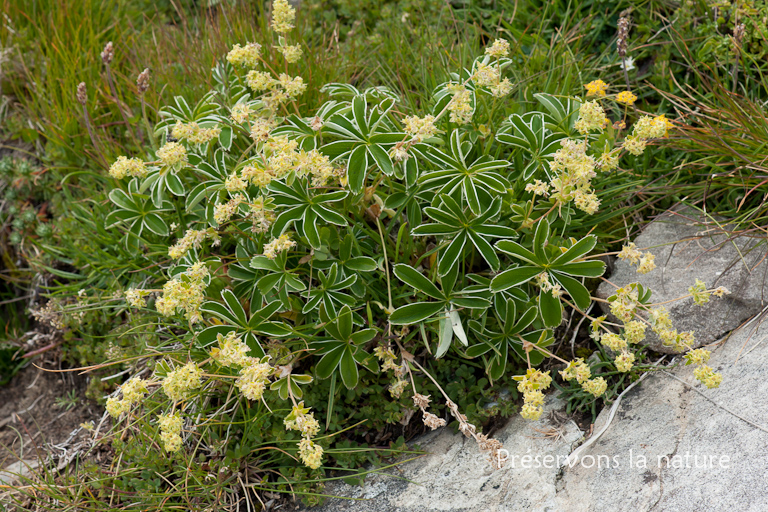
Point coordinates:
[(325, 255)]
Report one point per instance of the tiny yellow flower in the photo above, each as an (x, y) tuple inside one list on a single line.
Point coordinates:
[(626, 98), (596, 88)]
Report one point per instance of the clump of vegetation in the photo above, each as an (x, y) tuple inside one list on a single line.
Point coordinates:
[(289, 259)]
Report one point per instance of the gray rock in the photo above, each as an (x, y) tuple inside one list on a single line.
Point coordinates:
[(717, 461), (456, 476), (673, 446), (687, 249)]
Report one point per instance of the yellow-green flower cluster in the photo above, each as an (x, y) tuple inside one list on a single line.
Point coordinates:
[(659, 318), (697, 357), (170, 431), (703, 373), (261, 215), (192, 238), (586, 201), (292, 53), (181, 382), (595, 325), (662, 326), (283, 16), (624, 303), (634, 145), (133, 391), (708, 376), (184, 292), (614, 342), (282, 89), (501, 88), (293, 86), (260, 81), (302, 420), (490, 76), (123, 166), (645, 262), (135, 297), (231, 350), (246, 57), (235, 183), (575, 172), (532, 385), (624, 361), (257, 175), (648, 127), (460, 105), (626, 98), (173, 155), (278, 245), (595, 386), (254, 377), (194, 133), (538, 188), (591, 117), (580, 371), (387, 358), (240, 113), (699, 293), (645, 128), (486, 75), (543, 282), (577, 369), (282, 156), (609, 160), (260, 129), (311, 454), (634, 332), (596, 88), (222, 212), (420, 128), (499, 48), (316, 165)]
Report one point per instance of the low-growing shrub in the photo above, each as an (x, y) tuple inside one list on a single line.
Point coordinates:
[(355, 257)]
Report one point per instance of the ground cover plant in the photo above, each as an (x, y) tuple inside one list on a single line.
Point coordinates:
[(289, 261)]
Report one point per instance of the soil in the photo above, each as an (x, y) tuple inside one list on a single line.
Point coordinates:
[(42, 408)]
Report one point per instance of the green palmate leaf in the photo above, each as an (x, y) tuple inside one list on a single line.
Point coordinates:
[(348, 369), (445, 335), (361, 264), (415, 313), (575, 289), (458, 328), (225, 138), (576, 251), (540, 240), (594, 268), (450, 255), (518, 251), (330, 361), (551, 309), (513, 277), (381, 158), (356, 168), (417, 281), (344, 323)]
